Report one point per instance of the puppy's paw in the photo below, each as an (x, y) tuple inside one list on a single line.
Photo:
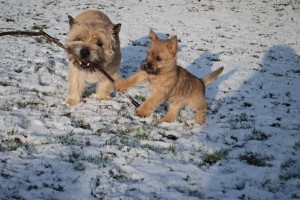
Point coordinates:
[(167, 119), (72, 102), (102, 97), (121, 85), (141, 112), (200, 119)]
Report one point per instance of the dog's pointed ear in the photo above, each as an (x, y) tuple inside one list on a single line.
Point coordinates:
[(172, 45), (153, 35), (117, 28), (71, 21)]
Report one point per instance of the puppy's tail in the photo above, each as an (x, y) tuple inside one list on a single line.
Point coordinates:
[(210, 78)]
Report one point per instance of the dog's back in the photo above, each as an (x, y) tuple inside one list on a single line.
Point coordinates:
[(186, 84)]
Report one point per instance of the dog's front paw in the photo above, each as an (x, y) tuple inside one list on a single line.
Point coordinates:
[(142, 112), (167, 119), (200, 119), (72, 102), (102, 97), (121, 85)]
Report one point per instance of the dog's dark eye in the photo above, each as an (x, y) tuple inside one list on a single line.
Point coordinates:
[(158, 58), (99, 43)]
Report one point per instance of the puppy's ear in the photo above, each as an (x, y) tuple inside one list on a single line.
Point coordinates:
[(172, 45), (153, 35), (71, 21), (116, 29)]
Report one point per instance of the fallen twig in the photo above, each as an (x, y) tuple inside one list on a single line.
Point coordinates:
[(169, 136), (58, 43)]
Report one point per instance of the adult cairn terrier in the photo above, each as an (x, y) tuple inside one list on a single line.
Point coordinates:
[(93, 42), (169, 82)]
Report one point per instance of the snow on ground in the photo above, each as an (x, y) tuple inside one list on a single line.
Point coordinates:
[(248, 148)]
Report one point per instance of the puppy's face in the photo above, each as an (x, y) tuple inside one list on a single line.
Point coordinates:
[(91, 45), (161, 55)]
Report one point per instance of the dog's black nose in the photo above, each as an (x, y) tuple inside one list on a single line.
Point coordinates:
[(84, 53), (144, 65)]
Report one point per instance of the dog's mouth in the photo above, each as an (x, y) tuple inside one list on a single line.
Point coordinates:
[(149, 69), (84, 64)]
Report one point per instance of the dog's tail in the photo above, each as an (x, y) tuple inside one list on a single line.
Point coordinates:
[(210, 78)]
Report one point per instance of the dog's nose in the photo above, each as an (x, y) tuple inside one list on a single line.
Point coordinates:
[(84, 53), (144, 65)]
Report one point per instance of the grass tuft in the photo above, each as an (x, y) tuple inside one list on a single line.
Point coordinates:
[(80, 123), (256, 159), (258, 135), (213, 158)]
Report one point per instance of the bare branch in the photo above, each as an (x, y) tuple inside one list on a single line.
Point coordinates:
[(30, 33)]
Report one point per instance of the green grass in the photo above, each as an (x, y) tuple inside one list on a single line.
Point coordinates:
[(214, 157), (242, 121), (142, 134), (290, 175), (287, 164), (11, 144), (80, 123), (39, 27), (213, 108), (12, 131), (192, 192), (256, 159), (289, 170), (5, 84), (68, 139), (172, 149), (140, 97), (118, 175), (78, 158), (56, 187), (29, 103), (297, 146), (258, 135)]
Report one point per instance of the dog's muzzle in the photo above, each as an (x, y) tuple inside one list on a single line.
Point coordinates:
[(148, 68), (84, 53)]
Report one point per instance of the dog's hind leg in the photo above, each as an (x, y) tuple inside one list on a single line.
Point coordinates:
[(200, 107)]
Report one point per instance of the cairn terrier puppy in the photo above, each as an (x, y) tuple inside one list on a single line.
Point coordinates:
[(93, 43), (168, 82)]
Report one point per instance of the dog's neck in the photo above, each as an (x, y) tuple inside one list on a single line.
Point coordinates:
[(170, 68)]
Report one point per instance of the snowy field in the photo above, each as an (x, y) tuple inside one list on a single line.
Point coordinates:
[(249, 147)]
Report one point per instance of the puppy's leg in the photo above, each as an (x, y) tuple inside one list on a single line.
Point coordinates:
[(104, 88), (172, 113), (76, 86), (150, 104), (198, 103), (123, 84)]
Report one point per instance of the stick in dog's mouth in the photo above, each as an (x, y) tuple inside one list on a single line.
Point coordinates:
[(83, 64)]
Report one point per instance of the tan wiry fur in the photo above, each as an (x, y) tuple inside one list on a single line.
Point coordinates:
[(94, 39), (169, 82)]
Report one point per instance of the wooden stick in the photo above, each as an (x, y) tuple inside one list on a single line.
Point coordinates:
[(39, 33), (58, 43)]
